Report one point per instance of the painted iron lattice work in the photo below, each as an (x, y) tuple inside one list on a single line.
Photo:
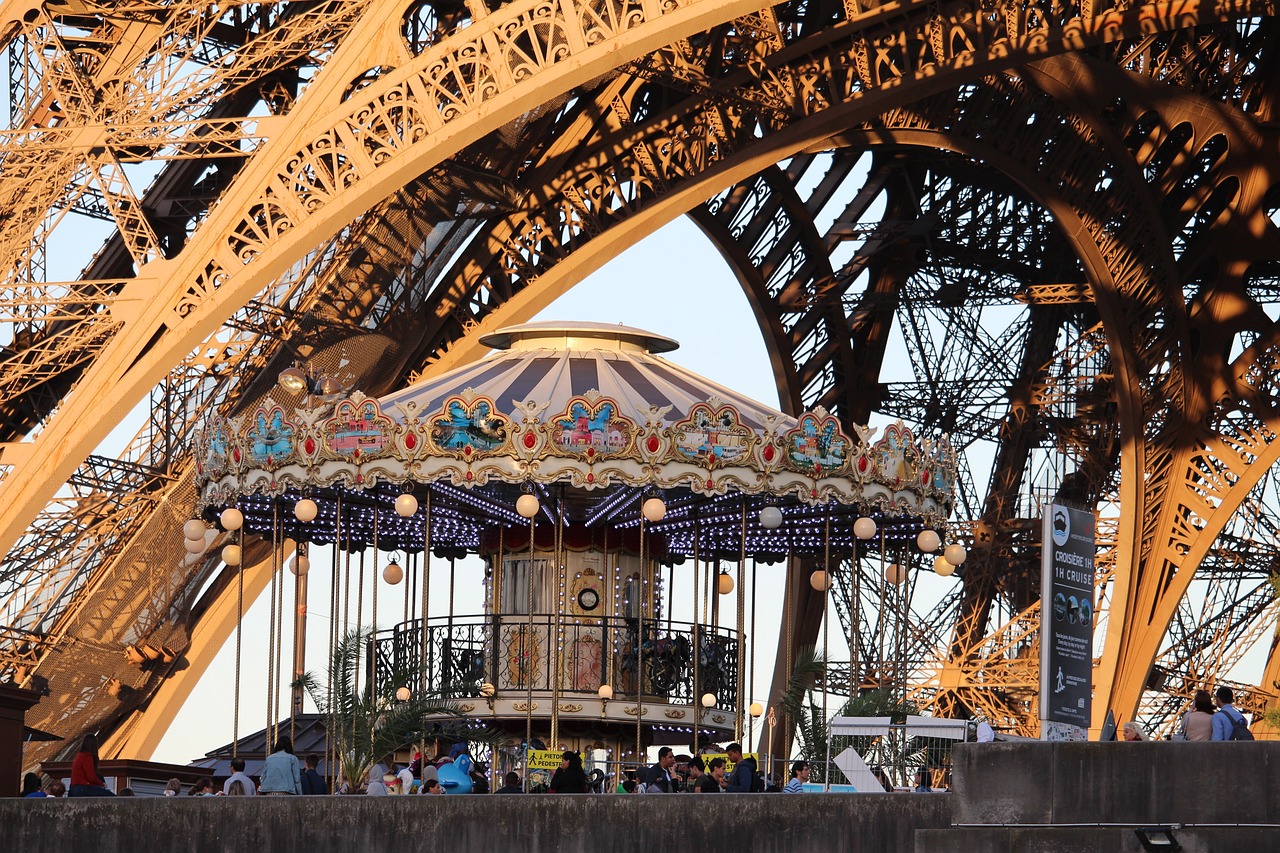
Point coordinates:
[(1066, 212)]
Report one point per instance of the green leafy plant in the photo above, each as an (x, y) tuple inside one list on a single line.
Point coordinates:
[(364, 725), (807, 727)]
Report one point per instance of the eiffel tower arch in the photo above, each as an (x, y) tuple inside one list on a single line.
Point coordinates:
[(1068, 213)]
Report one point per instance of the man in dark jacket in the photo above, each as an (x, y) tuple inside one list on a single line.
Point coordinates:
[(660, 778), (511, 784), (743, 778), (312, 781)]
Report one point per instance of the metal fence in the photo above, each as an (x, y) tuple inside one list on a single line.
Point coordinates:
[(678, 661)]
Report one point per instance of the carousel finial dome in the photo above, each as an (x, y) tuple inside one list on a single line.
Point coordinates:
[(560, 334)]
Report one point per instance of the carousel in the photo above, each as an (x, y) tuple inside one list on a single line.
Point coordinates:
[(601, 485)]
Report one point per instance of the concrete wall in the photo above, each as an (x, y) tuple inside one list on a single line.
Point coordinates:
[(1117, 783), (728, 823), (1010, 798), (1102, 840)]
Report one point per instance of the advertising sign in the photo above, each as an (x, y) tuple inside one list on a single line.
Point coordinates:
[(1066, 623)]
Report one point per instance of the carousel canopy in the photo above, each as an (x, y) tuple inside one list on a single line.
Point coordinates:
[(592, 420)]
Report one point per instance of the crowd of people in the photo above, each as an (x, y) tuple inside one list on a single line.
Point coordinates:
[(1210, 718)]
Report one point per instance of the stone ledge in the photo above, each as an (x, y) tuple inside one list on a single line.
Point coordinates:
[(1091, 839), (1117, 783), (761, 823)]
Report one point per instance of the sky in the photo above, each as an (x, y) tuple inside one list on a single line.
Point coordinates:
[(644, 287)]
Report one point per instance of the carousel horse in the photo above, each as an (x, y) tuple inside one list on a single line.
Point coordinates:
[(455, 777)]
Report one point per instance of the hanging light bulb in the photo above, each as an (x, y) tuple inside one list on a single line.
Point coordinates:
[(305, 510), (231, 555), (864, 528), (955, 554), (406, 505), (404, 694), (194, 546), (894, 573), (527, 505), (653, 509), (487, 690), (194, 529), (820, 581), (300, 564), (942, 567), (605, 692), (724, 583), (708, 700), (756, 710), (393, 574), (231, 519), (928, 541), (771, 518)]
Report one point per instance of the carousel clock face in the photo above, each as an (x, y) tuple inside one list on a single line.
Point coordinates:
[(588, 599)]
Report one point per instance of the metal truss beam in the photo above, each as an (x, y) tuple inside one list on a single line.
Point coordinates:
[(1175, 358)]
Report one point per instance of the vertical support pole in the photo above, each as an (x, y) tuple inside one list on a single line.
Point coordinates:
[(270, 731), (426, 590), (740, 601), (826, 648), (299, 639), (235, 714), (527, 655), (640, 613), (373, 619)]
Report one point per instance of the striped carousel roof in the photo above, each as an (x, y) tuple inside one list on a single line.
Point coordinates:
[(556, 361)]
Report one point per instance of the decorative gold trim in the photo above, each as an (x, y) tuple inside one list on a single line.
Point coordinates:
[(466, 709), (525, 706), (675, 715), (570, 707), (719, 718), (632, 711)]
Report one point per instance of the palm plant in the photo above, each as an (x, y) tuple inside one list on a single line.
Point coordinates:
[(363, 725), (807, 727)]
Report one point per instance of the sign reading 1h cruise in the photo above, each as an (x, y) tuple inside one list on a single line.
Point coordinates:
[(1067, 616)]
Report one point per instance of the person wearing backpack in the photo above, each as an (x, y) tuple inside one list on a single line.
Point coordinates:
[(1228, 723), (744, 779)]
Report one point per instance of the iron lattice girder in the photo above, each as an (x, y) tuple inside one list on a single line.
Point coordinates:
[(890, 67), (877, 72)]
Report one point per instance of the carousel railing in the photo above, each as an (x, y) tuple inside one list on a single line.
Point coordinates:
[(517, 654)]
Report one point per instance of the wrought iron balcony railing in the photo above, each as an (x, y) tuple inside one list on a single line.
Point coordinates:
[(518, 654)]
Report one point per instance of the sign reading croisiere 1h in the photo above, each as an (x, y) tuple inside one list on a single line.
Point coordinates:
[(1066, 623)]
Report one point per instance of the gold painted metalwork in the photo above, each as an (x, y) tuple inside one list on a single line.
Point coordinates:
[(301, 155)]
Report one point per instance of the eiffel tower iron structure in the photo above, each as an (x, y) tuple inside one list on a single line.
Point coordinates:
[(1067, 211)]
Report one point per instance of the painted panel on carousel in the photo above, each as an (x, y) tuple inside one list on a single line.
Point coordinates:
[(890, 454), (583, 660), (817, 446), (217, 443), (712, 435), (358, 429), (522, 653), (271, 438), (943, 468), (469, 426), (591, 427)]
